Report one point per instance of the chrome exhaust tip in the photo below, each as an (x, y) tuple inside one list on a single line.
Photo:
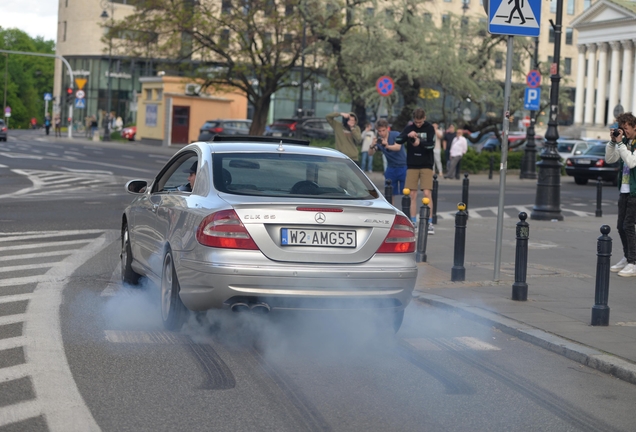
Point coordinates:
[(260, 308), (240, 307)]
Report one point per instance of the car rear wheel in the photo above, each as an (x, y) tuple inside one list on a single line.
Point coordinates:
[(580, 180), (173, 312), (128, 275)]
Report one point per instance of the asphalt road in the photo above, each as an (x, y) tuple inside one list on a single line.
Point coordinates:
[(81, 352)]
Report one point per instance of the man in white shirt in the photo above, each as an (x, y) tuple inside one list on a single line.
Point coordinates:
[(459, 147)]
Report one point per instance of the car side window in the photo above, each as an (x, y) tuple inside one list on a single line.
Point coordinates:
[(175, 177)]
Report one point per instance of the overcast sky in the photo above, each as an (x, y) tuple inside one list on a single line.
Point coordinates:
[(35, 17)]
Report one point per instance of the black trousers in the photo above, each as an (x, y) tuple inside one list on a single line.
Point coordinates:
[(627, 225)]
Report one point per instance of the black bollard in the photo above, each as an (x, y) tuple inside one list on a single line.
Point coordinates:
[(434, 196), (520, 287), (458, 272), (406, 202), (492, 162), (422, 233), (600, 310), (599, 197), (388, 191), (465, 184)]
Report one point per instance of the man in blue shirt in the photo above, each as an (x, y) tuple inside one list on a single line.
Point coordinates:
[(395, 157)]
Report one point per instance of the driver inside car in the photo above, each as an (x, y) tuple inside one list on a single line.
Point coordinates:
[(192, 176)]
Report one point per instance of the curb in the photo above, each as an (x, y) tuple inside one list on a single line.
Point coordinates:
[(591, 357)]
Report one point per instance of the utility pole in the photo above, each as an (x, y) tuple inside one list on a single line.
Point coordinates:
[(104, 16)]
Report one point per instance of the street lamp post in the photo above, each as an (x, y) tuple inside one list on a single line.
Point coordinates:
[(529, 161), (104, 16), (548, 199)]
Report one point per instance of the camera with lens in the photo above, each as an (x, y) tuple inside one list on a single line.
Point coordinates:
[(616, 133)]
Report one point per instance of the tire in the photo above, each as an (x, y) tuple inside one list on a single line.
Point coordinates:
[(580, 180), (173, 312), (128, 275)]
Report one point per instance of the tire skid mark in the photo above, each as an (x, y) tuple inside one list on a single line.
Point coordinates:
[(542, 397), (451, 382), (219, 376)]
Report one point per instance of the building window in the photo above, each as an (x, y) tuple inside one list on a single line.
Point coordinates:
[(226, 6), (498, 60), (570, 10), (464, 22), (267, 39), (159, 94), (586, 4), (586, 63), (445, 20), (224, 42), (287, 42), (553, 6), (389, 13), (370, 11), (569, 33), (551, 37), (567, 67), (148, 94), (448, 1), (550, 58), (289, 8), (270, 7), (428, 17), (64, 34)]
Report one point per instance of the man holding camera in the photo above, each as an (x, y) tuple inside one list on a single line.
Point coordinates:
[(395, 157), (419, 139), (621, 148)]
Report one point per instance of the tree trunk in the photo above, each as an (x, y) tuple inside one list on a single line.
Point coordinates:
[(410, 93), (360, 110), (261, 110)]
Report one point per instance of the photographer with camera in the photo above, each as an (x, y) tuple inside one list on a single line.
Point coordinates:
[(621, 148), (395, 157), (419, 139)]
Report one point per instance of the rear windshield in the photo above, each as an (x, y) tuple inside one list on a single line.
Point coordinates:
[(290, 175), (565, 147), (596, 150), (284, 121), (210, 124)]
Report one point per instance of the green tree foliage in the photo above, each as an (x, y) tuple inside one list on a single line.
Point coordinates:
[(29, 77)]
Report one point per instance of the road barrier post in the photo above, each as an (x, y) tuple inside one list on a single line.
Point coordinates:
[(600, 310), (599, 197), (465, 184), (434, 196), (388, 191), (458, 272), (422, 233), (520, 287), (492, 162), (406, 202)]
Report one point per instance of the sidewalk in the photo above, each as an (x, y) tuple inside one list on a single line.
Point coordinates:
[(561, 282)]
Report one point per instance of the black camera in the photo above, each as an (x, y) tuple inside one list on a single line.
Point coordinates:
[(616, 133), (378, 141)]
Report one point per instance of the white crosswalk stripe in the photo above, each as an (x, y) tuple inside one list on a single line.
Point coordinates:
[(51, 183), (511, 211), (460, 343)]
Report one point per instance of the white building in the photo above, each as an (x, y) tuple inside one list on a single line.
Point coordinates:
[(605, 79)]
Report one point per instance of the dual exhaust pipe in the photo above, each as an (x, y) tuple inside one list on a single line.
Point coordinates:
[(258, 308)]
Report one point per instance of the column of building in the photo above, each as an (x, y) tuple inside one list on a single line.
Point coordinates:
[(591, 75)]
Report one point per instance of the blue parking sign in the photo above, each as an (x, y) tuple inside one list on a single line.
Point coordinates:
[(532, 99)]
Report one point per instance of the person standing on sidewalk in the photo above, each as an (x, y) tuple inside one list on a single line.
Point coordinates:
[(58, 126), (449, 136), (47, 123), (419, 139), (437, 151), (347, 133), (367, 142), (621, 148), (395, 157), (457, 151)]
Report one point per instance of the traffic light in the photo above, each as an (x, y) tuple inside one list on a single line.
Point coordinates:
[(69, 95)]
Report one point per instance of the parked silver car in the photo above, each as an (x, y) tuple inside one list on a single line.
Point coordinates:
[(268, 225)]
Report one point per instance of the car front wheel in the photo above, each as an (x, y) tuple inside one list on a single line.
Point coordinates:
[(580, 180), (173, 312), (128, 275)]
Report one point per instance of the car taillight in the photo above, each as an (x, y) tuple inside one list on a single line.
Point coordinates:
[(4, 129), (401, 237), (217, 129), (600, 163), (224, 229), (292, 127), (568, 162)]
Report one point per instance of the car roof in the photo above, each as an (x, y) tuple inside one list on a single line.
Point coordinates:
[(229, 120), (260, 147)]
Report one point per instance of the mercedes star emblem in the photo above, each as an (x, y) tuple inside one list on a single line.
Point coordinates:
[(320, 218)]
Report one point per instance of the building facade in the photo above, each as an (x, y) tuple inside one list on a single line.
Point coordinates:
[(605, 84)]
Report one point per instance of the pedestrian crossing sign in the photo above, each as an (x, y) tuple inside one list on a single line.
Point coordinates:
[(514, 17), (80, 103)]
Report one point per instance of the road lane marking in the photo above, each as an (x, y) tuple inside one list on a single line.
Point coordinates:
[(35, 255), (25, 267), (476, 344), (460, 343), (15, 297), (145, 337), (12, 342), (41, 245), (28, 235), (19, 412), (12, 319), (14, 372)]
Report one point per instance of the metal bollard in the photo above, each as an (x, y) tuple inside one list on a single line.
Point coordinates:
[(434, 196), (465, 184), (600, 310), (422, 233), (599, 197), (492, 162), (458, 272), (520, 287), (388, 191), (406, 202)]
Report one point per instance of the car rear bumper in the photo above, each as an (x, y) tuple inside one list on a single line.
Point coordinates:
[(296, 287), (607, 173)]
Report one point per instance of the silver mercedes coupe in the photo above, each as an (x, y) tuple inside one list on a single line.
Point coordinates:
[(259, 224)]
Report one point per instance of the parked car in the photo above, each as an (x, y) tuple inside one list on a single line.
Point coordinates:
[(309, 127), (129, 133), (571, 147), (3, 131), (514, 143), (267, 226), (591, 165), (211, 128)]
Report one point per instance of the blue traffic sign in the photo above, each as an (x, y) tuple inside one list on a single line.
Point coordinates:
[(533, 79), (514, 17), (385, 85), (48, 97), (80, 103), (532, 99)]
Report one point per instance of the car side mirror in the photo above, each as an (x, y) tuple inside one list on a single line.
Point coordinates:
[(136, 186)]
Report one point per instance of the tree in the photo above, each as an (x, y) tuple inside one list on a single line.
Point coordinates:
[(29, 77), (250, 46)]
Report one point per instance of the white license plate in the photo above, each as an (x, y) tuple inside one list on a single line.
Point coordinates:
[(277, 134), (584, 161), (308, 237)]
